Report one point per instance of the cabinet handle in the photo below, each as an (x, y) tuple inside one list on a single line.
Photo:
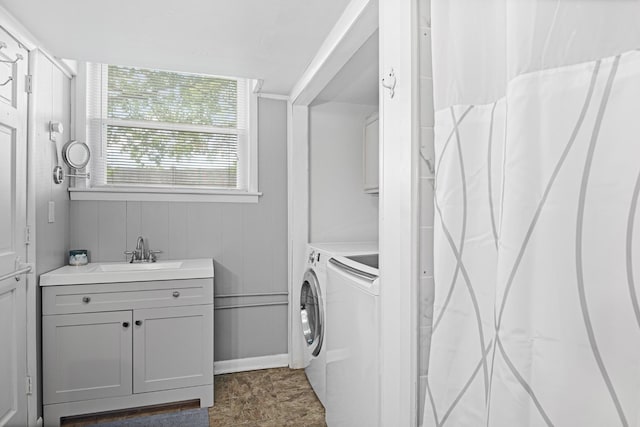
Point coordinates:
[(86, 300), (125, 324), (138, 322), (176, 294)]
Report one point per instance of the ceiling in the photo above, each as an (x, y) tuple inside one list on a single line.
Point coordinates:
[(273, 40), (357, 80)]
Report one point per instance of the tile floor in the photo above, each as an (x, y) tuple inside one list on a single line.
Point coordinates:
[(267, 398)]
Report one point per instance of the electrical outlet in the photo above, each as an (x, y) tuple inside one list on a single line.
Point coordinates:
[(52, 211)]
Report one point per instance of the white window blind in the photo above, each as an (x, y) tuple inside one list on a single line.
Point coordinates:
[(156, 128)]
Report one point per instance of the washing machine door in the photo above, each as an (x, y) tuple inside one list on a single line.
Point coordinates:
[(311, 312)]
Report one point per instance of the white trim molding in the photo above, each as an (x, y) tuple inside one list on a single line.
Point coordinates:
[(163, 195), (298, 224), (356, 24), (250, 364)]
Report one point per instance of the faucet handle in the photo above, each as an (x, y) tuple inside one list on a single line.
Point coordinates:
[(152, 255), (132, 253)]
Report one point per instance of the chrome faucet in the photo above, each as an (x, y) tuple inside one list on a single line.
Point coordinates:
[(140, 251), (142, 254)]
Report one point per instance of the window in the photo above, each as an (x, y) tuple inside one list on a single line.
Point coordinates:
[(161, 131)]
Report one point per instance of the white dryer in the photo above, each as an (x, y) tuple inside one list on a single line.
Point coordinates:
[(313, 311)]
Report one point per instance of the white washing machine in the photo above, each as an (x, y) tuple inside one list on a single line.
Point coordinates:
[(313, 309), (353, 343)]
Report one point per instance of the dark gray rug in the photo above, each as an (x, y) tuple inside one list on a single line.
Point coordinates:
[(188, 418)]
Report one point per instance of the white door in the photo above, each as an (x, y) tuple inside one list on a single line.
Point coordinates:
[(86, 356), (172, 347), (13, 222)]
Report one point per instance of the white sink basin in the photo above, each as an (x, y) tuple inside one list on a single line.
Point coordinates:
[(114, 272), (140, 266)]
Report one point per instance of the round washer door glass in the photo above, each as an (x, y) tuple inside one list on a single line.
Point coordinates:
[(311, 313)]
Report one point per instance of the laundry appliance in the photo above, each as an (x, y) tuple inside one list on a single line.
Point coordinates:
[(313, 308), (353, 341)]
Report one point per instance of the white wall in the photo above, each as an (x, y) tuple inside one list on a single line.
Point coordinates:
[(52, 91), (52, 98), (247, 241), (339, 209)]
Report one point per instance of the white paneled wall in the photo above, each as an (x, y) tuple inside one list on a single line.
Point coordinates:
[(426, 201), (248, 242), (52, 92), (52, 102)]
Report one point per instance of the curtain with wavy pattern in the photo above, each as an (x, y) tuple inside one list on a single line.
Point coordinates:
[(537, 225)]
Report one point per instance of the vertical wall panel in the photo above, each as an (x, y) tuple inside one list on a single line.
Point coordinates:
[(133, 225), (154, 225), (53, 100), (204, 235), (111, 233), (177, 232), (84, 228), (233, 253)]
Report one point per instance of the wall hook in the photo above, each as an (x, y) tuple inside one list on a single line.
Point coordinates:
[(389, 82), (9, 79), (18, 58)]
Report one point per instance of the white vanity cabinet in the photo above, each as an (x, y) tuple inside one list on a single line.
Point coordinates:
[(110, 346), (371, 155)]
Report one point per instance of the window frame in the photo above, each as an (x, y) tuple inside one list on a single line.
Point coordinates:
[(83, 189)]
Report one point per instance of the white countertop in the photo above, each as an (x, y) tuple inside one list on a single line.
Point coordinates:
[(114, 272)]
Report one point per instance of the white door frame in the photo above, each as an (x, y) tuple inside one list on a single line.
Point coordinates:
[(32, 310), (399, 195), (358, 22), (399, 212)]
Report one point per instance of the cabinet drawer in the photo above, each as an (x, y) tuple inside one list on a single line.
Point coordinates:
[(123, 296)]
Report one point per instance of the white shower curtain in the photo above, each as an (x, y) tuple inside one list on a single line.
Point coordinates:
[(537, 226)]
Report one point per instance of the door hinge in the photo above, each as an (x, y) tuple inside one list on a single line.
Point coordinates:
[(29, 386), (28, 83), (27, 235)]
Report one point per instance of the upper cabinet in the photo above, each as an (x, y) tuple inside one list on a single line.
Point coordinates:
[(371, 155)]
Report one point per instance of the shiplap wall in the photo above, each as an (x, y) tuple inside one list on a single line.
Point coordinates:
[(52, 98), (52, 91), (248, 242)]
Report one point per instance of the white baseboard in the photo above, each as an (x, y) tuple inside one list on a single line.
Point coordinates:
[(251, 364)]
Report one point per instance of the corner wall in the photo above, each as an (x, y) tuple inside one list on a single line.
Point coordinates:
[(52, 102), (340, 210), (248, 242)]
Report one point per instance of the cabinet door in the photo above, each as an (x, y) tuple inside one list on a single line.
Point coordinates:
[(86, 356), (371, 157), (172, 347)]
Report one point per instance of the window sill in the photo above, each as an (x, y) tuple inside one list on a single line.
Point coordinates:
[(163, 195)]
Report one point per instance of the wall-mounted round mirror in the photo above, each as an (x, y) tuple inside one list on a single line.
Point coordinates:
[(76, 154)]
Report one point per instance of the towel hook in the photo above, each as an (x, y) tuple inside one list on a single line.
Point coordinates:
[(9, 79), (389, 82), (18, 58)]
